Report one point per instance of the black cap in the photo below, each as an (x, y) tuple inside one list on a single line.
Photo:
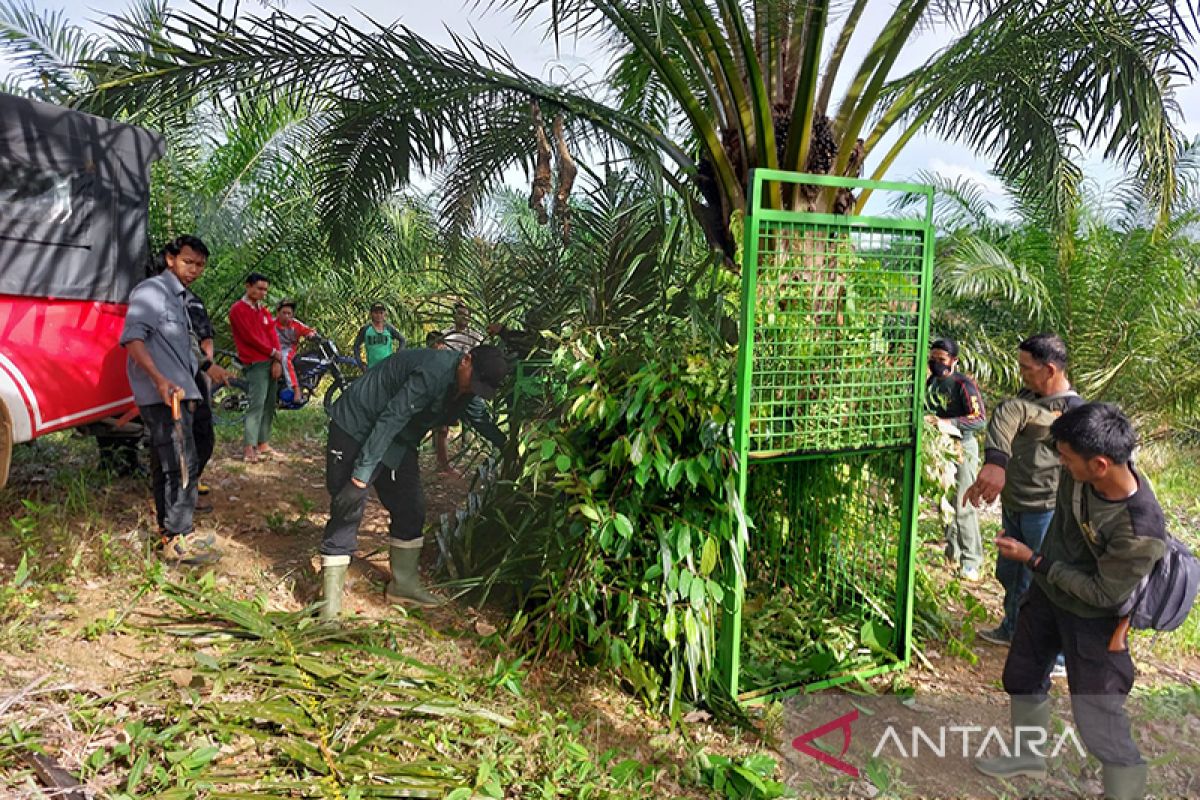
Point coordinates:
[(286, 302), (377, 307), (947, 344), (489, 368)]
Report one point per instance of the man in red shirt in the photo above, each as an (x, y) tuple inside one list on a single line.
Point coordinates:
[(258, 349)]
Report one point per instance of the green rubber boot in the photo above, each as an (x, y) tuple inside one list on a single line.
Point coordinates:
[(333, 580), (1031, 723), (1124, 783), (405, 586)]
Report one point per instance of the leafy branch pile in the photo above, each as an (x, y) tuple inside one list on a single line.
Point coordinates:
[(617, 524)]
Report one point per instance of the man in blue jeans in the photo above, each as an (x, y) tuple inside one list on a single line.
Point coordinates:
[(1021, 465)]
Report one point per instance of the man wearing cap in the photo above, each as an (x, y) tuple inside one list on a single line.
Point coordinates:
[(375, 429)]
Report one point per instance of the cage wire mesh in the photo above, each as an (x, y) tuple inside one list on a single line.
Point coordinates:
[(835, 314)]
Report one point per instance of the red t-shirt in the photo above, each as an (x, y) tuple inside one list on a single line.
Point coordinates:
[(253, 332)]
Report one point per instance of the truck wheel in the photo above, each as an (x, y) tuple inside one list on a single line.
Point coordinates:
[(229, 402), (6, 445)]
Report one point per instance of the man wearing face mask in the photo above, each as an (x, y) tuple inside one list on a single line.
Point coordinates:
[(955, 400), (1021, 466)]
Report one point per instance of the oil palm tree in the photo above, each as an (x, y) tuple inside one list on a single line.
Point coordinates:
[(238, 174), (703, 91), (1121, 289)]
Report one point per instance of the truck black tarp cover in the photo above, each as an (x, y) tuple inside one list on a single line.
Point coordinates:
[(73, 196)]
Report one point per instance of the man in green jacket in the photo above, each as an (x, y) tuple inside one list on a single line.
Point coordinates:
[(1107, 533), (1021, 465), (375, 429)]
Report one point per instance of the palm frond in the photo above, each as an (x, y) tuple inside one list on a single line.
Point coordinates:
[(1111, 76), (959, 202), (46, 49), (971, 267)]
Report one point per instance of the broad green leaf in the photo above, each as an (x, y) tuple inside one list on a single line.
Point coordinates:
[(876, 636), (708, 557), (685, 583), (637, 450)]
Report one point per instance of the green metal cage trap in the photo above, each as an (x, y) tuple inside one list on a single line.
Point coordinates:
[(831, 367)]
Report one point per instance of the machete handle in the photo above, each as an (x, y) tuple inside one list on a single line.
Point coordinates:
[(1118, 643), (175, 406)]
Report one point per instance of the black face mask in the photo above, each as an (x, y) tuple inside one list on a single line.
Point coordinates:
[(938, 369)]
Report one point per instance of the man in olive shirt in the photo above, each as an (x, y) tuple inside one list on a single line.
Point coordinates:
[(375, 429), (1108, 532), (1021, 466)]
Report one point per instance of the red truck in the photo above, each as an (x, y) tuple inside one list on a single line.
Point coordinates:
[(74, 190)]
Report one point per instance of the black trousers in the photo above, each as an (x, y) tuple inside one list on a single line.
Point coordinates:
[(205, 438), (399, 491), (174, 505), (1099, 681)]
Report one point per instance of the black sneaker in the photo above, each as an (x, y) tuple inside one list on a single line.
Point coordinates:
[(995, 636)]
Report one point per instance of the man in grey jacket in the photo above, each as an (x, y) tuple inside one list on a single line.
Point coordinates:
[(162, 366), (1107, 534)]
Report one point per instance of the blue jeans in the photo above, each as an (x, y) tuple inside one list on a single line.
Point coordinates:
[(1028, 527)]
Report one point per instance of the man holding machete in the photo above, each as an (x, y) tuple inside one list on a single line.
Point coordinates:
[(162, 367)]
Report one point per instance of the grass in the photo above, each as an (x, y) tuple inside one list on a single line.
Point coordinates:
[(1172, 470), (251, 702)]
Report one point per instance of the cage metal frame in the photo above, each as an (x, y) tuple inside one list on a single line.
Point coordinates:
[(904, 438)]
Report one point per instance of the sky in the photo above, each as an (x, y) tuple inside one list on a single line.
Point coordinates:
[(537, 55)]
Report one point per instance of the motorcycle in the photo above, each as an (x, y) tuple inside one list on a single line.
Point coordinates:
[(230, 401)]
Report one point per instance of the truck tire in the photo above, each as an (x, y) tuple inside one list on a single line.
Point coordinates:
[(6, 444)]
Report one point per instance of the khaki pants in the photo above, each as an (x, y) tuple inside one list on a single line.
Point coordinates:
[(964, 545)]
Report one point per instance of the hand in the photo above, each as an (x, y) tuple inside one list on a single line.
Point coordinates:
[(166, 390), (276, 370), (219, 375), (987, 486), (931, 420), (1012, 549), (349, 501)]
